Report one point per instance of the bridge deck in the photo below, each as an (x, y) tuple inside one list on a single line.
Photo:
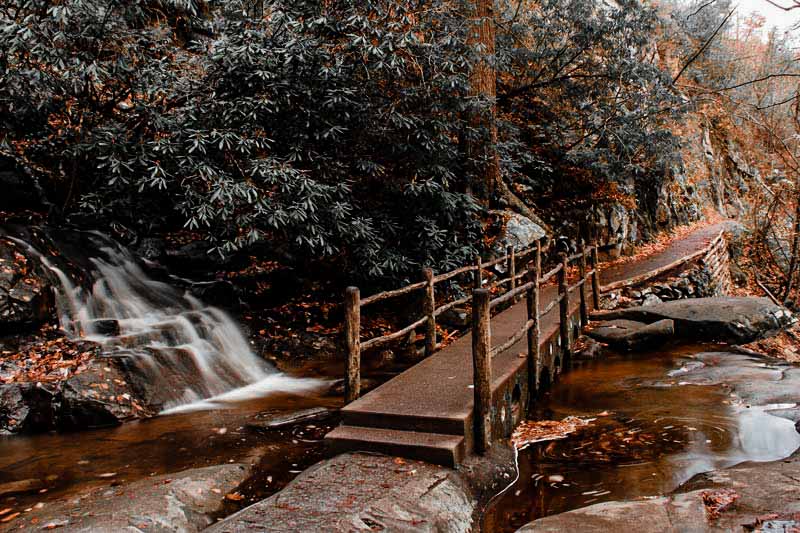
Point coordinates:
[(435, 397)]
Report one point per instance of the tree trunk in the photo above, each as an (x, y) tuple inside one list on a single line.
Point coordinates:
[(481, 37), (487, 184)]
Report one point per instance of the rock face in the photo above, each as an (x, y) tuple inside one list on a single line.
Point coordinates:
[(737, 320), (26, 297), (177, 502), (356, 492)]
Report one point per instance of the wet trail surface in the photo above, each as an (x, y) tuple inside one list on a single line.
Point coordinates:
[(659, 419)]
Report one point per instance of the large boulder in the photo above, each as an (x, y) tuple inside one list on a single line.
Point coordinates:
[(26, 296), (519, 232), (737, 320), (357, 492)]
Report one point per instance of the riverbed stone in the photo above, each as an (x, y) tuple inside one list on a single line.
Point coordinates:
[(181, 502), (728, 319), (359, 492)]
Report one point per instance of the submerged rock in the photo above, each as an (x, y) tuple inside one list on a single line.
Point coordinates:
[(727, 319), (270, 421)]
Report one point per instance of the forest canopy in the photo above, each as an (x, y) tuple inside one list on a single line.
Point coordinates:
[(341, 132)]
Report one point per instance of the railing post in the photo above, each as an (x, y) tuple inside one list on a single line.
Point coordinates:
[(563, 292), (595, 278), (429, 308), (352, 330), (534, 274), (482, 369), (511, 268), (478, 274), (583, 270)]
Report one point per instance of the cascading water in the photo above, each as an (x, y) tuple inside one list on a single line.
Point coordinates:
[(192, 356)]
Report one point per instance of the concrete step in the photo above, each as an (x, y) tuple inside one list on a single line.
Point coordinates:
[(353, 415), (446, 450)]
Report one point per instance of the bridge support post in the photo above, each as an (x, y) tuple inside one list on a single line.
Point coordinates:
[(534, 357), (429, 309), (352, 331), (595, 278), (511, 268), (583, 270), (478, 273), (482, 369), (564, 327)]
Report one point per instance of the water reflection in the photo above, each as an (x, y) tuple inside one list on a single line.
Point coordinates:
[(669, 417)]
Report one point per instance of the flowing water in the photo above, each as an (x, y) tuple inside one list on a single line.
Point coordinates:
[(193, 354), (659, 419)]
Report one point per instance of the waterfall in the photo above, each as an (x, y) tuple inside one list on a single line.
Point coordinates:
[(191, 355)]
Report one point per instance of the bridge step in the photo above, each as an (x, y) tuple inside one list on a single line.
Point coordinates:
[(446, 450), (353, 415)]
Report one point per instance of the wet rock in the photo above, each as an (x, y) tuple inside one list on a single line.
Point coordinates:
[(357, 492), (589, 349), (27, 408), (97, 397), (100, 396), (272, 421), (26, 296), (632, 335), (181, 502), (729, 319), (108, 327)]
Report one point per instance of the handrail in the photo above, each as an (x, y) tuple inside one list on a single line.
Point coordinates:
[(454, 273), (450, 305), (377, 341), (390, 294), (510, 294), (547, 277), (514, 339)]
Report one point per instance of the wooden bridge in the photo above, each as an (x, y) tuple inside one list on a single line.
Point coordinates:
[(477, 389)]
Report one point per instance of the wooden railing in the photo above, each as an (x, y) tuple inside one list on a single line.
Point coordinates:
[(354, 304), (482, 350)]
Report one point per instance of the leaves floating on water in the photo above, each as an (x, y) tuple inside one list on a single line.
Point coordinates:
[(529, 432)]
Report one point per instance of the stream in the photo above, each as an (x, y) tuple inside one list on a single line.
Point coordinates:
[(658, 419)]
